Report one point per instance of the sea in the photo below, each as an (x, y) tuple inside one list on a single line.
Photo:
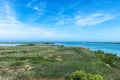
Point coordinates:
[(107, 47)]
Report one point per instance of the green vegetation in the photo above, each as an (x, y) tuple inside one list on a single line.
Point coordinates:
[(48, 61), (82, 75), (111, 59), (27, 44)]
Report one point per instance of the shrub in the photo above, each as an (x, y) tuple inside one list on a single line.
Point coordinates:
[(30, 44), (112, 59), (27, 44), (82, 75), (95, 77)]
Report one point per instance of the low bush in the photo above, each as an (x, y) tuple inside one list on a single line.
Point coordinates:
[(82, 75)]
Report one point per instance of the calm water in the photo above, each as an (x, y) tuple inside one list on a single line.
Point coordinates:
[(8, 44), (106, 47)]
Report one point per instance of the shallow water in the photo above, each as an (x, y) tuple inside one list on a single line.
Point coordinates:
[(8, 44), (106, 47)]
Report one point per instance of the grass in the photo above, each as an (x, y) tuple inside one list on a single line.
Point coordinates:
[(51, 62)]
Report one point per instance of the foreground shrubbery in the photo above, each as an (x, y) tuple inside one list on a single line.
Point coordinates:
[(82, 75)]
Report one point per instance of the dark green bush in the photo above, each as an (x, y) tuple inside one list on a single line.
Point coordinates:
[(30, 44), (112, 59)]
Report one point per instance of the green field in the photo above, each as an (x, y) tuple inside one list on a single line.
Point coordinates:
[(39, 62)]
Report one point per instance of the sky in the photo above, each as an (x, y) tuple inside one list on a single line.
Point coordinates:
[(60, 20)]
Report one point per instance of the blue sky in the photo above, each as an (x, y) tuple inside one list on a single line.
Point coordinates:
[(59, 20)]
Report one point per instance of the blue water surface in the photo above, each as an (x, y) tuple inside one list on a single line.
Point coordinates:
[(106, 47), (9, 44)]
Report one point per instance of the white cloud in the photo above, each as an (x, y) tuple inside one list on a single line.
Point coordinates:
[(36, 8), (30, 3), (92, 19), (80, 20), (64, 21), (36, 5), (10, 27)]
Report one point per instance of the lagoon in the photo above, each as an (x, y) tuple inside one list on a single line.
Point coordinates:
[(9, 44), (107, 47)]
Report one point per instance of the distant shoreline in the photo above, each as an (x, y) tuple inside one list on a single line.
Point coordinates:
[(61, 42), (114, 51)]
